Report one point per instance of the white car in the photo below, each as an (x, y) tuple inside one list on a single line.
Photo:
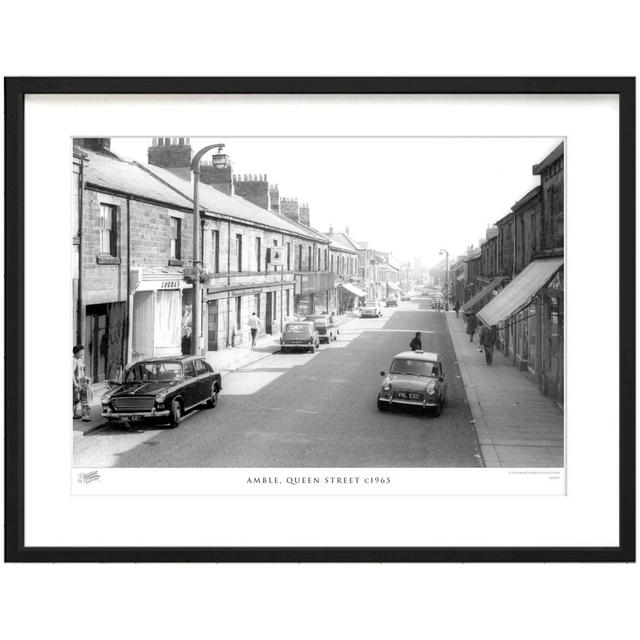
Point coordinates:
[(371, 309)]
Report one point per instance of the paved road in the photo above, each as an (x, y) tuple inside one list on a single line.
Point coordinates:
[(311, 410)]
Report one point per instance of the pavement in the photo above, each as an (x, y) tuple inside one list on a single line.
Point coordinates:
[(516, 425), (225, 361)]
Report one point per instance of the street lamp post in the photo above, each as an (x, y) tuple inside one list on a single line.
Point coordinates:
[(446, 275), (220, 161)]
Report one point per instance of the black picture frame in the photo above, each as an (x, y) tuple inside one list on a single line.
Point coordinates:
[(15, 91)]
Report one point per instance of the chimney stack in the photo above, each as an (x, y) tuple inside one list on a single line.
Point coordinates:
[(289, 207), (304, 214), (253, 188), (274, 198), (173, 154), (94, 144)]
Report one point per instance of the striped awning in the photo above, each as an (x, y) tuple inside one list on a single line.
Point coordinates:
[(519, 293), (477, 301), (393, 285)]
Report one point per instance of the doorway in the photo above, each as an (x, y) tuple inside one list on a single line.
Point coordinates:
[(269, 315), (212, 326)]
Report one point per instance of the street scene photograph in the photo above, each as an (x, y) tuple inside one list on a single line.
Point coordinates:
[(318, 302)]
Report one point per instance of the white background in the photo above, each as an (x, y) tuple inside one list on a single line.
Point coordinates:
[(488, 601)]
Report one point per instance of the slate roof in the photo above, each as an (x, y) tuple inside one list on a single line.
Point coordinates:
[(215, 201), (112, 172), (345, 240)]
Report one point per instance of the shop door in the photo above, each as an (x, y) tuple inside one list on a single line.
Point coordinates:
[(269, 315), (97, 342), (212, 340)]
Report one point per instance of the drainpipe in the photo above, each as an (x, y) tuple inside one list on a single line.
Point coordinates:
[(127, 320), (79, 314), (228, 282)]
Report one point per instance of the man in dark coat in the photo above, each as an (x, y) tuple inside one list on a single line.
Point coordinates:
[(472, 324), (186, 341), (488, 339), (416, 343)]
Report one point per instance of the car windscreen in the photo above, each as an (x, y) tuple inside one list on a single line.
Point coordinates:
[(298, 328), (414, 368), (155, 372)]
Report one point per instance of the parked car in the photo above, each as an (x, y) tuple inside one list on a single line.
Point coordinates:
[(325, 326), (405, 297), (370, 309), (392, 301), (160, 389), (300, 335), (415, 378)]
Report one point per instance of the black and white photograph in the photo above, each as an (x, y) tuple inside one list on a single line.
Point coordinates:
[(318, 302)]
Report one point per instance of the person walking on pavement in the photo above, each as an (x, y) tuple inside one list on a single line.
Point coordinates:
[(82, 392), (472, 324), (456, 308), (416, 343), (488, 339), (254, 324)]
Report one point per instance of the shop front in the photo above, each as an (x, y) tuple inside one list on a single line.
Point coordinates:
[(160, 311), (311, 293)]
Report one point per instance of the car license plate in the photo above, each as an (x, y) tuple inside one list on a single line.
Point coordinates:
[(135, 418), (408, 395)]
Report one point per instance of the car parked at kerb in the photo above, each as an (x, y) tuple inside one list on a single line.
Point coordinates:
[(415, 378), (160, 390), (300, 336), (325, 326)]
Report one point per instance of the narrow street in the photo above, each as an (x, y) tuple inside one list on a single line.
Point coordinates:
[(311, 410)]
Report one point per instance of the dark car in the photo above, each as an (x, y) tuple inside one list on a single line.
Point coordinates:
[(392, 301), (415, 378), (325, 327), (300, 336), (160, 389)]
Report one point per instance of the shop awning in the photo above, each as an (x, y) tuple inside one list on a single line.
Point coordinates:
[(519, 293), (477, 301), (353, 289), (394, 286)]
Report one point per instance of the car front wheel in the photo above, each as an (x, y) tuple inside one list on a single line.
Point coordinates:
[(176, 414)]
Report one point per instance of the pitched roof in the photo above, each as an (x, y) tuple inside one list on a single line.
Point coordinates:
[(112, 172), (552, 157), (345, 239), (216, 202)]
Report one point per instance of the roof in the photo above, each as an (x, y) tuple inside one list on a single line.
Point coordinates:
[(345, 239), (528, 196), (429, 356), (339, 246), (112, 172), (214, 201), (394, 262), (550, 159), (519, 293)]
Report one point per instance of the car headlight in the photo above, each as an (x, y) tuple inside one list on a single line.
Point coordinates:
[(386, 385), (160, 398), (431, 388), (105, 400)]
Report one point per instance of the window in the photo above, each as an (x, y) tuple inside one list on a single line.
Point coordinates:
[(239, 250), (189, 371), (200, 368), (319, 259), (300, 257), (274, 306), (215, 251), (108, 230), (326, 259), (259, 254), (310, 267), (332, 263), (239, 312), (288, 256), (286, 312), (175, 231)]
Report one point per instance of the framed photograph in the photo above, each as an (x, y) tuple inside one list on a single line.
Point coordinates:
[(320, 319)]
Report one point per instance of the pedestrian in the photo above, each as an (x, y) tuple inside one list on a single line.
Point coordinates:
[(472, 324), (186, 341), (82, 392), (416, 343), (254, 324), (456, 308), (489, 342)]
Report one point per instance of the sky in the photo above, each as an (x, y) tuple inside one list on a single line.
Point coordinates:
[(408, 196)]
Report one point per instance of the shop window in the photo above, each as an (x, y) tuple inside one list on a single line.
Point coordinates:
[(108, 230), (175, 233)]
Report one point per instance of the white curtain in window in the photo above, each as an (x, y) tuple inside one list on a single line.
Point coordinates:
[(168, 319)]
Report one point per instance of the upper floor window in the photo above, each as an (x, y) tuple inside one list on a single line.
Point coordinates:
[(310, 266), (259, 254), (175, 231), (215, 251), (239, 251), (108, 230), (288, 256), (299, 257)]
